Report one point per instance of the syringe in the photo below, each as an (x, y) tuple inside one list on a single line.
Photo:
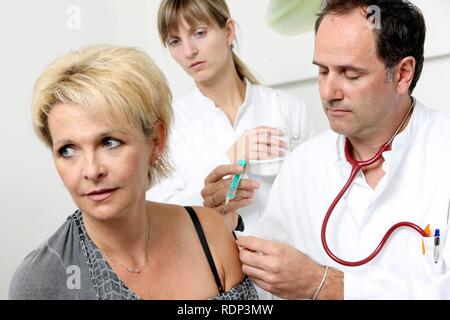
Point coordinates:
[(231, 194)]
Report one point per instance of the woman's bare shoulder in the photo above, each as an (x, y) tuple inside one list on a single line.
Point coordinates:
[(218, 236), (222, 243), (212, 222)]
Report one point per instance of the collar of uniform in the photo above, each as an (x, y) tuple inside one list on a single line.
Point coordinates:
[(203, 99), (341, 162), (247, 100), (210, 103), (393, 156)]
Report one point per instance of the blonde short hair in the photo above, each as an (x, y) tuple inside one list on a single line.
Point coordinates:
[(120, 85)]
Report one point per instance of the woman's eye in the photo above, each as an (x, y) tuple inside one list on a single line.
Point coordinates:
[(172, 42), (200, 33), (66, 151), (111, 143)]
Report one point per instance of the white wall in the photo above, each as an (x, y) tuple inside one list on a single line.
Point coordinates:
[(33, 202)]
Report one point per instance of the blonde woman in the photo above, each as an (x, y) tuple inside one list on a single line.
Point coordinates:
[(226, 118), (104, 112)]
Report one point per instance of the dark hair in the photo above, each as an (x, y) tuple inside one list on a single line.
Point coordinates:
[(402, 32)]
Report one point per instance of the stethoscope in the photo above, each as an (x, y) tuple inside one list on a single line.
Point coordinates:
[(356, 167)]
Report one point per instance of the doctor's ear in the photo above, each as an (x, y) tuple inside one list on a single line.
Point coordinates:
[(231, 34), (405, 74), (158, 140)]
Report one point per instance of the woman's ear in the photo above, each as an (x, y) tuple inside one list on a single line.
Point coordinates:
[(230, 27), (158, 139), (406, 69)]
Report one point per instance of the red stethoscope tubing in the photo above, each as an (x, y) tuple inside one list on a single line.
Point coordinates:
[(356, 167)]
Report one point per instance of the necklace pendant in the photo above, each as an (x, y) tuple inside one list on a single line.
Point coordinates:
[(131, 270)]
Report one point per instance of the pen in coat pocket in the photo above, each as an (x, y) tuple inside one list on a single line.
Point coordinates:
[(437, 240)]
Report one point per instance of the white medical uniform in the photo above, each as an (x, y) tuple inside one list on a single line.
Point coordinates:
[(415, 188), (202, 134)]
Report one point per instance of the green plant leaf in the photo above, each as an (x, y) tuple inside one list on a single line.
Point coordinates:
[(292, 17)]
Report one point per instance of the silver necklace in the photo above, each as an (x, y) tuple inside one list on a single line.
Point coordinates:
[(141, 266)]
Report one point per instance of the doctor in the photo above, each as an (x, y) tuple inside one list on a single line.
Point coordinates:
[(227, 116), (366, 79)]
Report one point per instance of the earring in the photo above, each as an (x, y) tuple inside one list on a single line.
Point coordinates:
[(157, 160), (230, 45)]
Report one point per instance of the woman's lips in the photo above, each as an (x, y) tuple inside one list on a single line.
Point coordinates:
[(100, 195), (196, 66)]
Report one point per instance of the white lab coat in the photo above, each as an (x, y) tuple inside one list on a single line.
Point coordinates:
[(201, 136), (415, 188)]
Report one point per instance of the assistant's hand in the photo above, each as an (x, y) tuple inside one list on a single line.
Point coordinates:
[(286, 272), (216, 188), (260, 143)]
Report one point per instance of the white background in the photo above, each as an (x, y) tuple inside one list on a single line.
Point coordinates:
[(33, 202)]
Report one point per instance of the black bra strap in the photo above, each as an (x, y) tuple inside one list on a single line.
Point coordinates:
[(201, 236)]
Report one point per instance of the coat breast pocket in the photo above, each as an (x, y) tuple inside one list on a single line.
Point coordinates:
[(437, 256)]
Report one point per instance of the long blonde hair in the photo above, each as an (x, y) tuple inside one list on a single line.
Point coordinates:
[(193, 11)]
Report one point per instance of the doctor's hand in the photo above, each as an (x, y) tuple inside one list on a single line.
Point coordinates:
[(286, 272), (260, 143), (216, 188)]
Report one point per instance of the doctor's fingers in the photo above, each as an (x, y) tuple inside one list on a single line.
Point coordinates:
[(275, 280), (266, 247), (217, 199), (222, 171), (256, 259), (220, 195), (257, 274), (244, 194), (213, 193), (265, 286), (280, 289), (221, 188), (234, 205)]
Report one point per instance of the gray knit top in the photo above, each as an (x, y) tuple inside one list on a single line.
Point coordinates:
[(69, 266)]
